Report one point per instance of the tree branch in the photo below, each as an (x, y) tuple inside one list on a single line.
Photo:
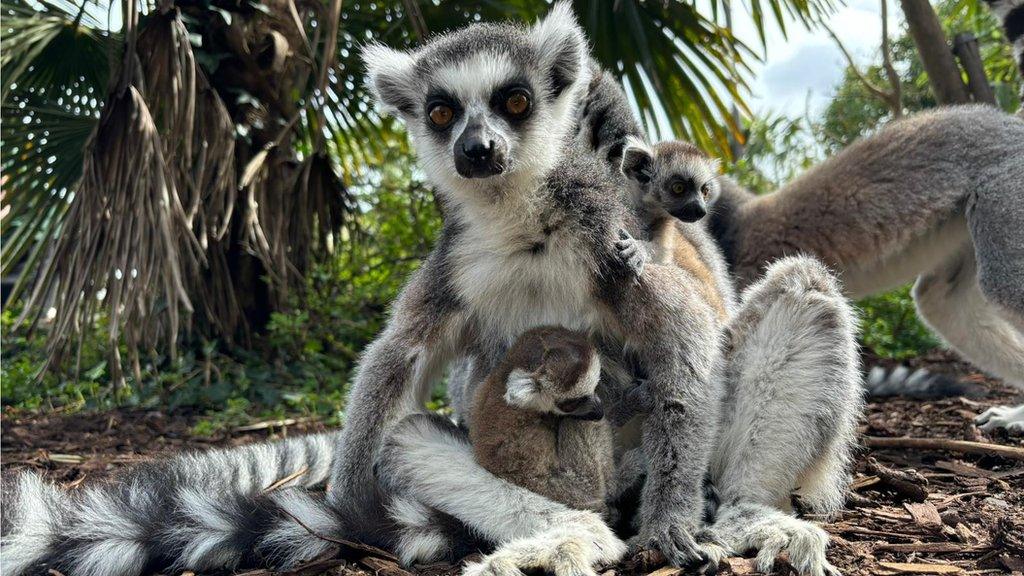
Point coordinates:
[(880, 93), (896, 102)]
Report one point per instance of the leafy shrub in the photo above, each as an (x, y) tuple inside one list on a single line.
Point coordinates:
[(891, 328), (300, 364)]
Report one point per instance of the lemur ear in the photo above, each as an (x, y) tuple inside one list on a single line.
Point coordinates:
[(561, 46), (391, 77), (520, 389), (637, 161)]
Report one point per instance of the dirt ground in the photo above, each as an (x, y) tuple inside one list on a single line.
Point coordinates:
[(926, 508)]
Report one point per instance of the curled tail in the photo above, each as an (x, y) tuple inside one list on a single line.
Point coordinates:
[(920, 384), (203, 511), (1011, 14)]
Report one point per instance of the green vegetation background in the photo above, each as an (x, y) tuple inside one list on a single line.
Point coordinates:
[(304, 362)]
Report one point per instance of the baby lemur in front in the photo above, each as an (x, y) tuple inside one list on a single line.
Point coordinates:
[(539, 423)]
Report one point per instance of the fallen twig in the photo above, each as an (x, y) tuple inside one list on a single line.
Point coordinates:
[(962, 446), (908, 484), (273, 424), (344, 544), (282, 481)]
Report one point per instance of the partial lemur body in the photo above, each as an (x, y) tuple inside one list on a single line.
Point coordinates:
[(532, 217), (539, 422), (936, 198)]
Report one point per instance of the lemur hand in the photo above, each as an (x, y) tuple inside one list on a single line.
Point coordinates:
[(632, 251), (636, 400), (676, 542)]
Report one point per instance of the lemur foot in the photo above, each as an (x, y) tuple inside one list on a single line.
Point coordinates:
[(805, 542), (680, 548), (632, 252), (573, 548), (1009, 417)]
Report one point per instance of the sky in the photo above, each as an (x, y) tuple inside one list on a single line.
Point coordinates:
[(802, 71)]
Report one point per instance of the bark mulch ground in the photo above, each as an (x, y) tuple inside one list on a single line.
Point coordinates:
[(951, 503)]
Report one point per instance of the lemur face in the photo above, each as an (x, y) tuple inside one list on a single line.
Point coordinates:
[(488, 104), (673, 176), (555, 371)]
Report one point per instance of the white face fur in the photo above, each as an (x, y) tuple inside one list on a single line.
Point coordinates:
[(488, 108), (527, 390)]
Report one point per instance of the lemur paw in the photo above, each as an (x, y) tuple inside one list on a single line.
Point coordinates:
[(632, 252), (805, 542), (636, 400), (571, 549), (679, 547), (1009, 417)]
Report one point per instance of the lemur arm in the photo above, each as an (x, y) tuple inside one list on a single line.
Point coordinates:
[(676, 335), (585, 466), (393, 380)]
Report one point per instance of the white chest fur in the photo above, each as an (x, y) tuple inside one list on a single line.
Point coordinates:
[(515, 277)]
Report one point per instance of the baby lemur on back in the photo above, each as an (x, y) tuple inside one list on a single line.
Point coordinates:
[(669, 186), (539, 423), (670, 183)]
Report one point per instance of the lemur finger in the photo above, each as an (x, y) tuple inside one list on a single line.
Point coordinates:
[(626, 248), (686, 552), (770, 549)]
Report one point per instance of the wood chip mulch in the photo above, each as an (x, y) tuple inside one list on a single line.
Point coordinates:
[(952, 503)]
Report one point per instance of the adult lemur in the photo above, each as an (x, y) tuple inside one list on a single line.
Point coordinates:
[(532, 218), (939, 197)]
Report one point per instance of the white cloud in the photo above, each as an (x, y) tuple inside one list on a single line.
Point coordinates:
[(802, 70)]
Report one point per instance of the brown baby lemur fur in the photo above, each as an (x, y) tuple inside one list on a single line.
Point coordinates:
[(538, 421)]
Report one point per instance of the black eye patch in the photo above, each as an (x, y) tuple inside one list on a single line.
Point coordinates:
[(441, 98), (688, 183), (501, 96)]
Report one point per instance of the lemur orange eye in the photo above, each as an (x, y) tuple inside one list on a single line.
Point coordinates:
[(705, 190), (441, 115), (678, 188), (517, 104)]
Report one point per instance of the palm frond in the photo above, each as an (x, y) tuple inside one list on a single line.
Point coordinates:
[(55, 68)]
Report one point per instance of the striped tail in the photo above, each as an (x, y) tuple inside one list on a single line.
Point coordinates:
[(920, 384), (1011, 14), (204, 511)]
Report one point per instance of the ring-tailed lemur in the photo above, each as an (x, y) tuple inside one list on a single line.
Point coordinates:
[(529, 246), (539, 422), (530, 240), (937, 197)]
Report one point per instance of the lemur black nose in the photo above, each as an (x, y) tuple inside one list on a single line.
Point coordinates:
[(691, 211), (479, 153), (476, 149)]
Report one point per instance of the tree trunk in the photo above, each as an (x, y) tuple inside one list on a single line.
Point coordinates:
[(965, 46), (937, 58)]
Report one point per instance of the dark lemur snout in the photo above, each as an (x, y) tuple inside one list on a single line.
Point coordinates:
[(479, 152), (683, 199), (587, 407)]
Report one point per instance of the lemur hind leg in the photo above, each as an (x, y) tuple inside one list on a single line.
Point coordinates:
[(794, 395), (430, 460), (996, 219), (953, 302)]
